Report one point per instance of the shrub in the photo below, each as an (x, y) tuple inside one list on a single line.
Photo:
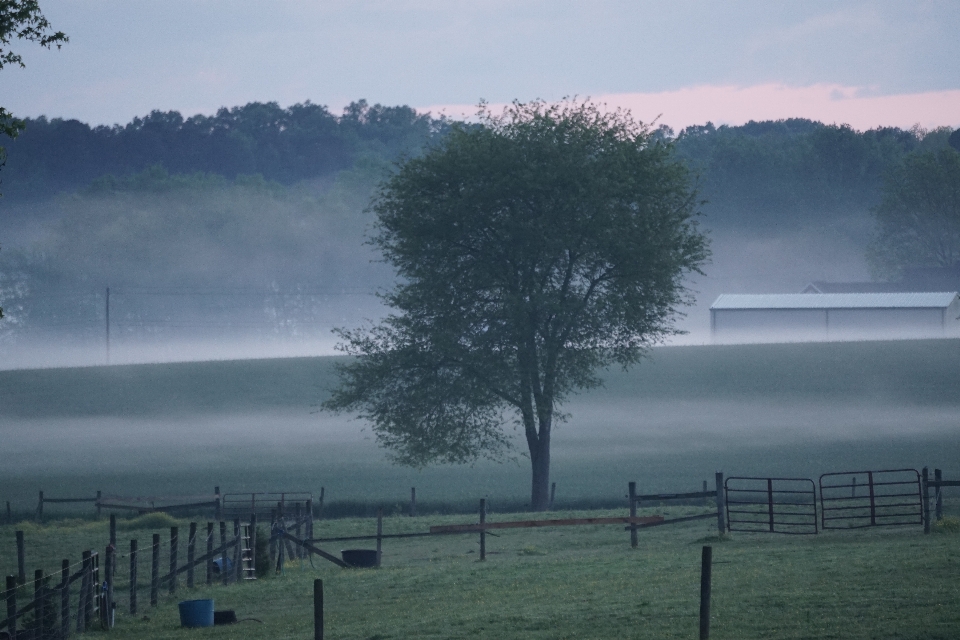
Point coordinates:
[(156, 520)]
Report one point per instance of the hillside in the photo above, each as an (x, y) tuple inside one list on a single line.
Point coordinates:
[(904, 372)]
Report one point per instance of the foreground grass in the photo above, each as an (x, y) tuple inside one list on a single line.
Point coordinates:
[(581, 582)]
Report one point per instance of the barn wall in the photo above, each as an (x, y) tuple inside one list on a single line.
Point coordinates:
[(788, 325), (885, 323), (769, 324)]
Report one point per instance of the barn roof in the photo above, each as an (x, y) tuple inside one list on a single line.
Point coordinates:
[(940, 300)]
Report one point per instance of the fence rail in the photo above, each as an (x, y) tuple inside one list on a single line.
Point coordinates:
[(140, 504)]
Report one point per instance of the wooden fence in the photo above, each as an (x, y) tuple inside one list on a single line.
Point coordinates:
[(232, 560), (139, 504), (49, 607)]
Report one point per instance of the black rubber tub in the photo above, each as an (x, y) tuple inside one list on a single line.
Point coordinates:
[(359, 557)]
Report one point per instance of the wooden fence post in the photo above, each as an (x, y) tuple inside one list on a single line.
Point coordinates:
[(318, 609), (298, 518), (273, 537), (133, 577), (320, 509), (209, 553), (938, 495), (96, 582), (82, 595), (632, 495), (113, 530), (218, 506), (721, 521), (12, 606), (770, 502), (108, 600), (483, 530), (224, 576), (379, 534), (39, 610), (309, 533), (155, 571), (926, 499), (40, 508), (21, 559), (65, 598), (89, 587), (174, 543), (413, 502), (706, 564), (191, 554), (280, 546)]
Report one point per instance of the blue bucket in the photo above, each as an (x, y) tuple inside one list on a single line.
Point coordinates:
[(196, 613)]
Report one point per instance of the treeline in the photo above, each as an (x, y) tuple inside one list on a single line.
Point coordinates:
[(796, 171), (759, 173), (286, 145)]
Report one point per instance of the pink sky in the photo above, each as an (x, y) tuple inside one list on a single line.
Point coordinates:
[(828, 103)]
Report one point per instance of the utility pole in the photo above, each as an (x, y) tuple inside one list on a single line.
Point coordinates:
[(108, 325)]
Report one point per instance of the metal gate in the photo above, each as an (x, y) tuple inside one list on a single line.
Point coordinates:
[(236, 505), (856, 499), (775, 505)]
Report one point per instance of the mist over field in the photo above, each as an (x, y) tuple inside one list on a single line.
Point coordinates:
[(219, 248), (182, 428)]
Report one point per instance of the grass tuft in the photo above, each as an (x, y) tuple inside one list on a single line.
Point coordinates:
[(148, 521), (948, 524), (531, 551)]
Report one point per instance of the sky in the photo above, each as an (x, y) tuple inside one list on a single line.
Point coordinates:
[(678, 63)]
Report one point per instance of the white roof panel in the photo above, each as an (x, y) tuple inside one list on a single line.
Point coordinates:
[(835, 301)]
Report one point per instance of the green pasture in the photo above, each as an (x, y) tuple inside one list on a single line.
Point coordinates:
[(669, 424), (560, 582)]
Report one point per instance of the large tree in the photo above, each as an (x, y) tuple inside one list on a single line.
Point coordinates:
[(21, 20), (531, 250), (918, 219)]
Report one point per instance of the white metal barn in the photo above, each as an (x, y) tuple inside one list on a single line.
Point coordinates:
[(834, 316)]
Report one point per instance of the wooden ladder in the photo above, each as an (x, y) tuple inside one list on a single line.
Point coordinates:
[(247, 555)]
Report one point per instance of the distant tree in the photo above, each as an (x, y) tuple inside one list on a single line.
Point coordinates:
[(954, 140), (21, 19), (918, 220), (531, 251)]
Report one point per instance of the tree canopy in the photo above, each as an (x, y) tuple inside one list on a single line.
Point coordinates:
[(918, 219), (21, 20), (531, 251), (304, 141)]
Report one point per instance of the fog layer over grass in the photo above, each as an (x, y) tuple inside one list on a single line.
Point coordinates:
[(783, 410)]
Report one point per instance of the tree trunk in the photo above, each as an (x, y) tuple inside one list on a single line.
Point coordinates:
[(540, 467)]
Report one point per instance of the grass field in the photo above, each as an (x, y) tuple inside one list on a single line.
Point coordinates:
[(570, 582)]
